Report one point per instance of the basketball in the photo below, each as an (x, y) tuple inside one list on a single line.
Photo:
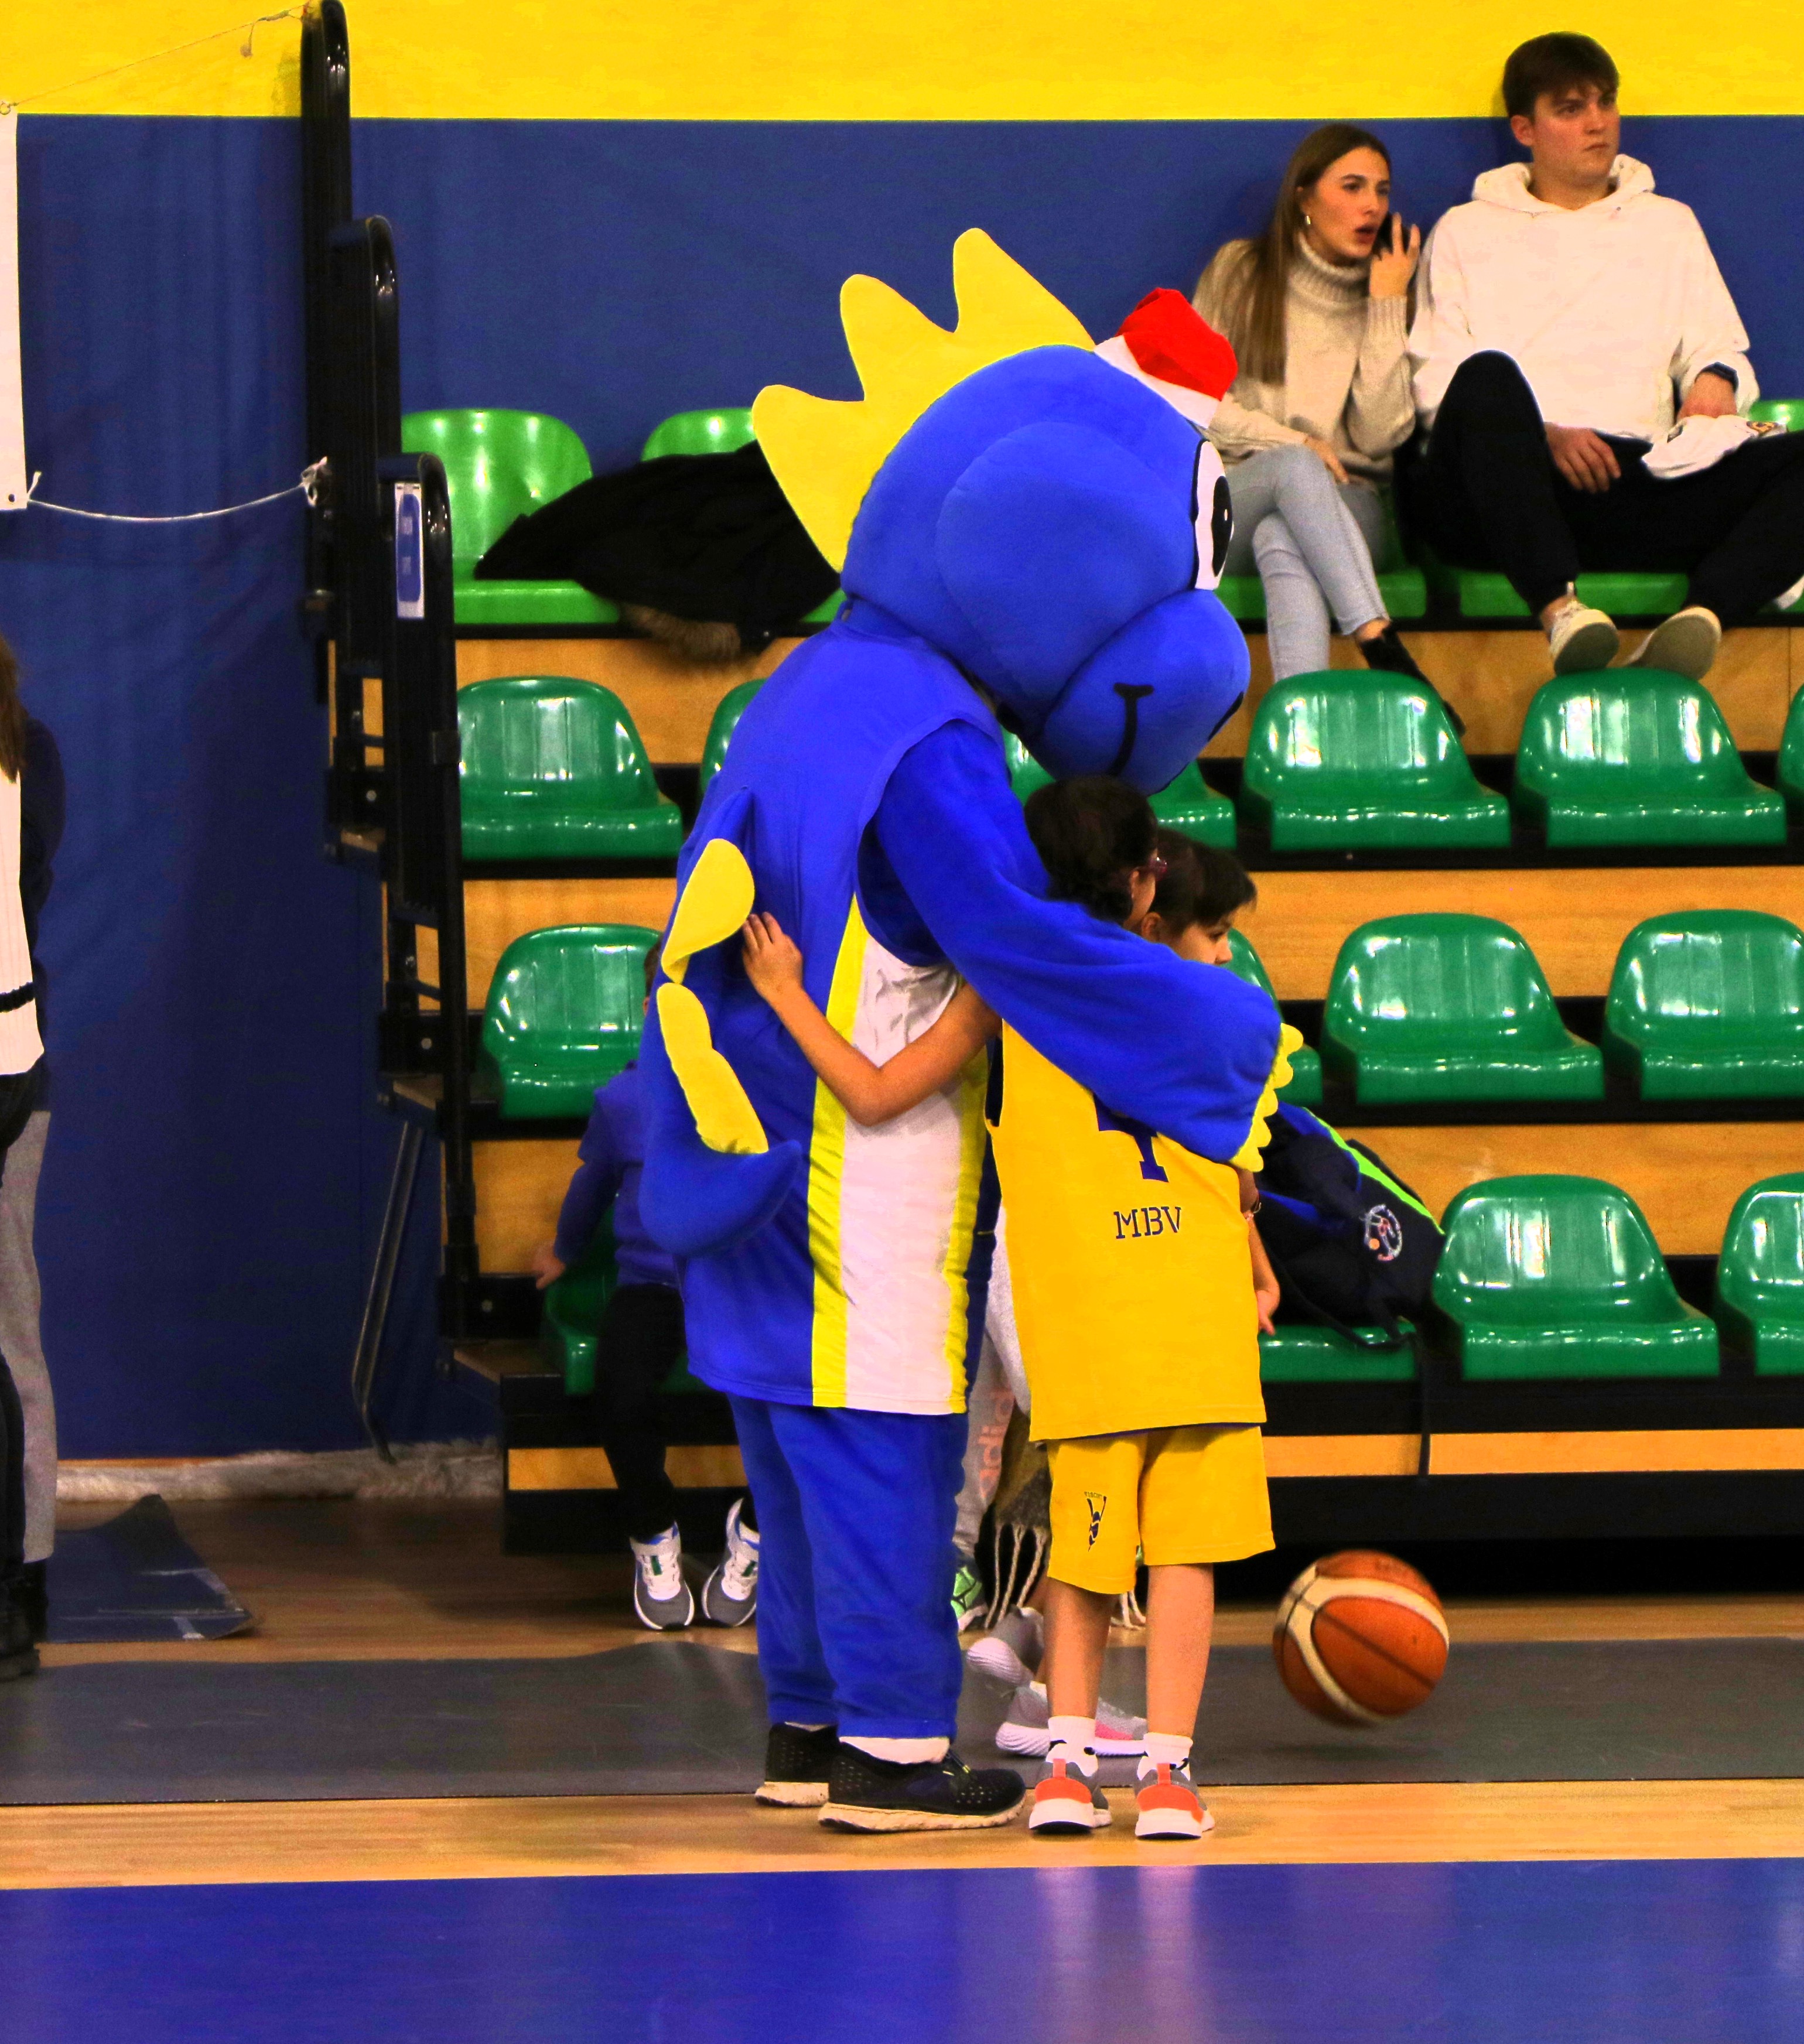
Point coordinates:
[(1360, 1638)]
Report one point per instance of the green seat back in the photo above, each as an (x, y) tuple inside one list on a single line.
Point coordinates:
[(573, 1307), (565, 1012), (1759, 1294), (1787, 412), (1484, 593), (728, 711), (1791, 751), (718, 432), (1634, 756), (1190, 805), (1708, 1004), (1561, 1277), (554, 767), (1345, 760), (1025, 773), (498, 465), (1305, 1089), (1449, 1007)]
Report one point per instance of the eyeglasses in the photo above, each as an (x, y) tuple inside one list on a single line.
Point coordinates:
[(1157, 866)]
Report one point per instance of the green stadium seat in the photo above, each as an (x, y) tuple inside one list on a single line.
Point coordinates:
[(1400, 581), (1190, 805), (1709, 1005), (1791, 754), (1360, 760), (1319, 1355), (1787, 412), (1552, 1277), (721, 431), (565, 1012), (1484, 593), (1305, 1089), (1025, 773), (500, 466), (574, 1308), (554, 768), (1760, 1291), (718, 432), (1445, 1007), (728, 711), (1634, 756)]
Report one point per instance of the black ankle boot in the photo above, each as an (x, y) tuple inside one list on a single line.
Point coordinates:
[(1390, 656), (17, 1655)]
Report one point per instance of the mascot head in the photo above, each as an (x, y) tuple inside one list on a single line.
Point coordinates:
[(1054, 526)]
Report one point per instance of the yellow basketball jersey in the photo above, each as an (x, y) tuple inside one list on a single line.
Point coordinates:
[(1128, 1257)]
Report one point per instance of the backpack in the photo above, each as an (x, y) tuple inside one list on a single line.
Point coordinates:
[(1353, 1248)]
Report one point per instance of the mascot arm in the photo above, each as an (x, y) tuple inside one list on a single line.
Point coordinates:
[(1190, 1049)]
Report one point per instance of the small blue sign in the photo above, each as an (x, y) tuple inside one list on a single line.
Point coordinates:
[(409, 552)]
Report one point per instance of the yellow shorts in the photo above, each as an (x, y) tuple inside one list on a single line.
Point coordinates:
[(1192, 1494)]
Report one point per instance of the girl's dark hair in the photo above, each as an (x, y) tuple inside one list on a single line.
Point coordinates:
[(1255, 309), (1092, 834), (12, 716), (1546, 65), (1200, 885)]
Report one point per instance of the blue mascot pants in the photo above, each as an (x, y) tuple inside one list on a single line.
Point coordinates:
[(855, 1572)]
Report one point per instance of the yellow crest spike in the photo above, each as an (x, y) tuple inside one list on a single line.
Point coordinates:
[(824, 452)]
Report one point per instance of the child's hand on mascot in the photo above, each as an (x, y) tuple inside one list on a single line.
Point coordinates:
[(773, 963)]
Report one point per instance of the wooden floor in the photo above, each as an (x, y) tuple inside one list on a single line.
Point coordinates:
[(340, 1581)]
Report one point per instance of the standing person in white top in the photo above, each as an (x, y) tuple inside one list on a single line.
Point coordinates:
[(21, 1053), (1569, 316), (1317, 306)]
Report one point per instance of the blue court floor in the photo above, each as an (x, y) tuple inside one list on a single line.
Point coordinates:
[(1621, 1952)]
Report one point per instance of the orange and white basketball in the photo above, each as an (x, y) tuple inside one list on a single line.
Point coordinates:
[(1360, 1638)]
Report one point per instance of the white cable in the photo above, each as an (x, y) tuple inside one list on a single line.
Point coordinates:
[(305, 487)]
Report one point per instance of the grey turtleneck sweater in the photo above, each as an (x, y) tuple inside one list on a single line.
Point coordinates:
[(1346, 373)]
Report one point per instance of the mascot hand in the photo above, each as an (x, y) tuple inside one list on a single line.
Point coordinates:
[(1251, 1154)]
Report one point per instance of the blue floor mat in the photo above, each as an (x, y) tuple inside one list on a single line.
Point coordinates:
[(135, 1578)]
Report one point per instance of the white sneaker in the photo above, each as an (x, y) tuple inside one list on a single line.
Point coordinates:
[(1685, 644), (1027, 1729), (729, 1597), (1011, 1654), (1582, 639), (661, 1599)]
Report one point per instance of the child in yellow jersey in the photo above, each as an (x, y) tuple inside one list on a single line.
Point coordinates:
[(1132, 1278)]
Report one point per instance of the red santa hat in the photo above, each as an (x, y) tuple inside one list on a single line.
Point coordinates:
[(1170, 347)]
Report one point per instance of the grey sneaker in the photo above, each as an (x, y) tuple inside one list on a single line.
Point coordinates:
[(1011, 1654), (1025, 1731), (1066, 1799), (661, 1599), (729, 1597), (1685, 644), (1169, 1806), (1582, 639)]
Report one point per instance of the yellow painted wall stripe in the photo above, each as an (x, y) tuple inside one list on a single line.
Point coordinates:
[(842, 60)]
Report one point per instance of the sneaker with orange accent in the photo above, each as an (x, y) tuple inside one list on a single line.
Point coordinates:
[(1066, 1799), (1169, 1806)]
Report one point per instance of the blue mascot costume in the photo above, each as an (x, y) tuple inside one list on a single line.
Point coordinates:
[(1028, 534)]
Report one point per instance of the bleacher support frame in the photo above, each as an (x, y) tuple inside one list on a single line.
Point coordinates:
[(380, 601)]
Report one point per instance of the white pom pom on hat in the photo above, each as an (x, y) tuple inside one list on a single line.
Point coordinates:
[(1166, 343)]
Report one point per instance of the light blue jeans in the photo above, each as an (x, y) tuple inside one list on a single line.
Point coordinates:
[(1312, 542)]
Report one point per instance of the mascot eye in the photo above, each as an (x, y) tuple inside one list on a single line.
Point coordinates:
[(1214, 518)]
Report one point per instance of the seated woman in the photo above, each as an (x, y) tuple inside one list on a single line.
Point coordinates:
[(1317, 306)]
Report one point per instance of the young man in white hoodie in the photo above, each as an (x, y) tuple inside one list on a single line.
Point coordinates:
[(1568, 317)]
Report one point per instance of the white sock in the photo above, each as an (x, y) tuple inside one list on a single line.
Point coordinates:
[(1163, 1748), (1073, 1742), (907, 1752)]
